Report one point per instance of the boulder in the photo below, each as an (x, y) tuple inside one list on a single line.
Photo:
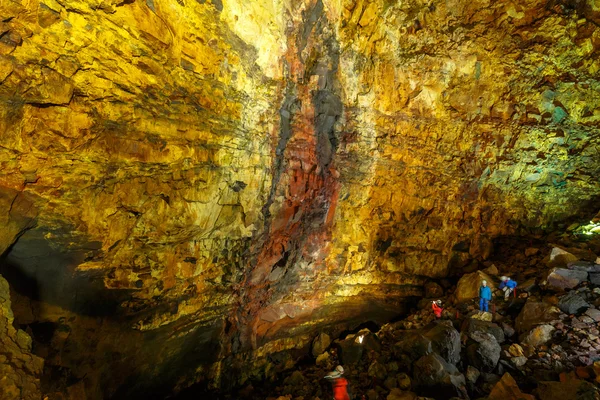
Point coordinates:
[(349, 351), (519, 361), (535, 313), (528, 285), (377, 370), (508, 330), (445, 340), (595, 278), (515, 350), (414, 345), (507, 389), (531, 251), (472, 374), (468, 286), (483, 316), (560, 258), (593, 314), (433, 290), (570, 389), (323, 359), (572, 303), (439, 336), (563, 278), (390, 383), (491, 270), (403, 381), (434, 376), (471, 325), (320, 344), (370, 341), (539, 335), (484, 354)]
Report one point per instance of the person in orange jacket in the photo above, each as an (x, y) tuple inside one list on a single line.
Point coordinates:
[(339, 384), (436, 306)]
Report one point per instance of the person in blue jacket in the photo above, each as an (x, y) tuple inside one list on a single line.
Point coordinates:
[(485, 295), (508, 286)]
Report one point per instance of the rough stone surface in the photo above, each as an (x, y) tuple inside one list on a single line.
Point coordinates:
[(507, 388), (572, 303), (445, 340), (471, 325), (468, 285), (539, 335), (562, 278), (484, 354), (593, 313), (560, 258), (434, 375), (215, 182), (320, 344), (20, 371), (535, 313), (433, 290), (571, 389)]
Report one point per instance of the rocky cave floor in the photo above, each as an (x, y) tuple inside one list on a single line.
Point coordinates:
[(544, 343)]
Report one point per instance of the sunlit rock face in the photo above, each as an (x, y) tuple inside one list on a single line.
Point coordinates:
[(192, 189)]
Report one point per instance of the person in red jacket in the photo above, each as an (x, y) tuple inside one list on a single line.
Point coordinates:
[(436, 306), (339, 384)]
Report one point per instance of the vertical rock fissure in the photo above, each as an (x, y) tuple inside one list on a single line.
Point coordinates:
[(304, 184)]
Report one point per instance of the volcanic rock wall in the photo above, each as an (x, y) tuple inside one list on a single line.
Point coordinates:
[(191, 189)]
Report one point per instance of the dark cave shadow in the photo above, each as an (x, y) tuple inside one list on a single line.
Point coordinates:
[(44, 271)]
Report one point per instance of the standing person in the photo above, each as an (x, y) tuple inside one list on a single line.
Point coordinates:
[(436, 306), (507, 285), (485, 295), (338, 384)]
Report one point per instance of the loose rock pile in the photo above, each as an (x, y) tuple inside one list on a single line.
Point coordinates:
[(544, 343)]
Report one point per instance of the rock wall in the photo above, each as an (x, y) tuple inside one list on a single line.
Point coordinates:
[(19, 370), (192, 189)]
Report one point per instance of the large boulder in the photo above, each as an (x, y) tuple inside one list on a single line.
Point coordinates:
[(563, 278), (507, 389), (320, 344), (432, 375), (539, 335), (468, 286), (570, 389), (471, 325), (484, 353), (352, 348), (439, 337), (349, 350), (560, 258), (414, 345), (572, 303), (445, 340), (535, 313)]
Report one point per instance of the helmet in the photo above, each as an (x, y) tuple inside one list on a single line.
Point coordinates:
[(438, 301), (504, 278), (484, 282)]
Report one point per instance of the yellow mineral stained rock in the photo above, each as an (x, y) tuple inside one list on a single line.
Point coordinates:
[(217, 180)]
